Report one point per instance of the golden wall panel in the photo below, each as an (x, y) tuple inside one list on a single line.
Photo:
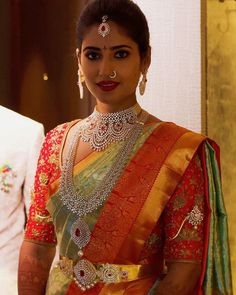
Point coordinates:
[(221, 101)]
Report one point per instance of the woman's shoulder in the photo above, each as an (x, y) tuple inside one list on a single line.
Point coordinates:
[(60, 131), (191, 138), (181, 136), (172, 126)]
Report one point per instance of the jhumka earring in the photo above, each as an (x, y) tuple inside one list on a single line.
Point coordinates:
[(80, 82), (142, 84)]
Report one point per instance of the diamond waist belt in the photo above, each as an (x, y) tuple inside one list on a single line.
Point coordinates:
[(87, 274)]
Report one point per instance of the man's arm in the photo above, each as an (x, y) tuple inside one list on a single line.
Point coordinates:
[(34, 266), (35, 144), (181, 279)]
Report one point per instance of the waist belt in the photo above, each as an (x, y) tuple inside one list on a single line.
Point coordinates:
[(87, 274)]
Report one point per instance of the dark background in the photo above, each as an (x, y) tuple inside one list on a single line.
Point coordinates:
[(38, 40)]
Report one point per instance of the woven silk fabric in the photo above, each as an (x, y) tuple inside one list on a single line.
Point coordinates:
[(216, 276)]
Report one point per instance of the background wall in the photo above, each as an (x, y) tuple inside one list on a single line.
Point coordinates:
[(4, 53), (38, 66), (174, 79), (221, 103)]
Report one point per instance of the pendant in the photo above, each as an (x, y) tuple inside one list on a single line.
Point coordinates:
[(86, 274), (80, 233)]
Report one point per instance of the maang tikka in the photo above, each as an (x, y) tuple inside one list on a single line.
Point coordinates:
[(104, 28)]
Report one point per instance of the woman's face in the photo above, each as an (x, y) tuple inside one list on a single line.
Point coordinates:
[(100, 56)]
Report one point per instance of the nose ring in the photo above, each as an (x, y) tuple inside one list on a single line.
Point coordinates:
[(113, 75)]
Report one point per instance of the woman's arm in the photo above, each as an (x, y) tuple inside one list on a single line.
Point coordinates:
[(34, 266), (181, 279), (184, 233)]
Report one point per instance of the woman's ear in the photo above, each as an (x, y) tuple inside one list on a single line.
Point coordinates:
[(146, 60), (78, 56)]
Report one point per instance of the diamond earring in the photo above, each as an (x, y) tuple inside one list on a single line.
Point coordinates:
[(80, 82)]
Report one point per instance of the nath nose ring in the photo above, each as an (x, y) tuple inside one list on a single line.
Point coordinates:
[(113, 75)]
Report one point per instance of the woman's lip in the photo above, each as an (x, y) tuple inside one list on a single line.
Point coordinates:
[(107, 85)]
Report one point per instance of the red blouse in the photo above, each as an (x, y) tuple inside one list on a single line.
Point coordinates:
[(176, 236)]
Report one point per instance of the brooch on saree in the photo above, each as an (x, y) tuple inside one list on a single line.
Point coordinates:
[(195, 217)]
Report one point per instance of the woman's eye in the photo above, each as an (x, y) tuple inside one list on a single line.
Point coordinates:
[(121, 54), (93, 55)]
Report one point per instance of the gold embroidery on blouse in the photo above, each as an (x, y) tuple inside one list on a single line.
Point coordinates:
[(43, 178), (55, 147), (179, 202), (188, 234), (35, 232), (41, 162), (53, 159), (42, 218)]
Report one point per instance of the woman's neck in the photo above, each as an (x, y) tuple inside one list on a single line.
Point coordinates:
[(112, 108)]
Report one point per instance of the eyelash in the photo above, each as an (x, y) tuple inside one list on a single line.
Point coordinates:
[(120, 54), (92, 55), (123, 53)]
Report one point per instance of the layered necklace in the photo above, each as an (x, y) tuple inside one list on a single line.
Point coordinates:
[(100, 130)]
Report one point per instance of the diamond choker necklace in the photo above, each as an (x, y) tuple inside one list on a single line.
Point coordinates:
[(102, 129)]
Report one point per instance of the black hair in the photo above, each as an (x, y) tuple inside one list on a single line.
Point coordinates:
[(124, 13)]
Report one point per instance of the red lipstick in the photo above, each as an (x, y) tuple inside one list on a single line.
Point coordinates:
[(107, 85)]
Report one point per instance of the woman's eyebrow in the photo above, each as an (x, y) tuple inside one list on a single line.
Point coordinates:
[(91, 48), (120, 46), (111, 48)]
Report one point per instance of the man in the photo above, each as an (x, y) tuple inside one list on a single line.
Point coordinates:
[(20, 142)]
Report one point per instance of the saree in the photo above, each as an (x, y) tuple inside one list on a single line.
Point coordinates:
[(172, 174)]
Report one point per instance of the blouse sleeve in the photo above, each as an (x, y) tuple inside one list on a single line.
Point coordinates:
[(184, 217), (40, 228)]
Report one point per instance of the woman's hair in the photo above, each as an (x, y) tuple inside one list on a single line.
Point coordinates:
[(124, 13)]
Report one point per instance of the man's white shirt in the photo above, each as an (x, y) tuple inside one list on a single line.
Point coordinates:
[(20, 142)]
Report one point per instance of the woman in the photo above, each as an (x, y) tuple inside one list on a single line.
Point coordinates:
[(134, 203)]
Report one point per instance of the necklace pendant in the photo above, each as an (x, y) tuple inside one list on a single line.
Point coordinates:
[(86, 274), (80, 233)]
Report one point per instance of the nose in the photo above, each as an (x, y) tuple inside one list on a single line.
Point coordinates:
[(105, 67)]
